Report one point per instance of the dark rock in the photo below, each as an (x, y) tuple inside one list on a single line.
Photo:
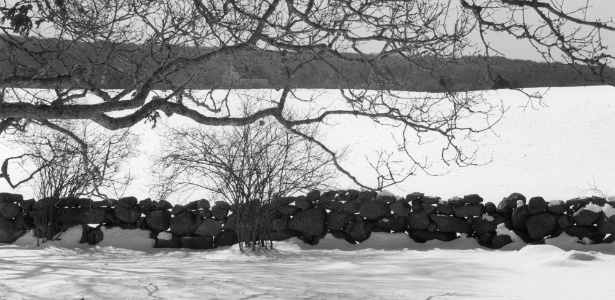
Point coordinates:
[(385, 199), (330, 195), (598, 200), (557, 206), (9, 233), (209, 227), (500, 241), (310, 222), (230, 223), (283, 235), (508, 204), (312, 196), (101, 203), (451, 224), (490, 208), (373, 210), (445, 208), (359, 231), (431, 200), (417, 204), (482, 226), (95, 236), (94, 215), (581, 232), (400, 208), (164, 205), (541, 225), (10, 198), (396, 224), (205, 213), (184, 224), (418, 220), (485, 239), (145, 206), (84, 202), (472, 199), (284, 200), (288, 210), (192, 205), (536, 205), (178, 209), (226, 238), (203, 204), (174, 242), (128, 215), (432, 227), (158, 220), (351, 207), (27, 205), (519, 217), (455, 201), (341, 234), (585, 217), (609, 240), (303, 203), (415, 196), (127, 202), (330, 205), (578, 201), (281, 224), (606, 225), (429, 208), (197, 242), (525, 237), (359, 218), (220, 210), (422, 236), (352, 194), (469, 210), (9, 210), (563, 221), (514, 197), (338, 220)]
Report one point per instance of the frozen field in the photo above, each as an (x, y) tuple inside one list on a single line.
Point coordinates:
[(387, 266)]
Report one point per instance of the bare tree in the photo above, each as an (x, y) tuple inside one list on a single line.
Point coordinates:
[(79, 49)]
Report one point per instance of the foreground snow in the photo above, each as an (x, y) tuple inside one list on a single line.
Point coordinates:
[(386, 266)]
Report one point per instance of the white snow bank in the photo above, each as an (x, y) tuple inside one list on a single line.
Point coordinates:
[(488, 217), (567, 242), (165, 236), (608, 210), (593, 207), (68, 239), (134, 239)]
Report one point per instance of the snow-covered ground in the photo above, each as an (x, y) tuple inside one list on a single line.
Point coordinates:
[(386, 266)]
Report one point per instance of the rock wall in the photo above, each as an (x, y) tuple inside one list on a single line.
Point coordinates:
[(348, 214)]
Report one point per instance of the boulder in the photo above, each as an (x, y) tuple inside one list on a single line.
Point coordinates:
[(10, 198), (563, 221), (205, 213), (373, 210), (101, 203), (472, 199), (422, 236), (451, 224), (396, 224), (281, 224), (418, 220), (95, 236), (338, 220), (431, 200), (288, 210), (174, 242), (432, 227), (485, 239), (590, 232), (429, 208), (220, 210), (557, 206), (541, 225), (9, 233), (500, 241), (209, 227), (312, 196), (303, 203), (283, 235), (606, 224), (185, 223), (84, 202), (577, 201), (585, 217), (203, 204), (341, 234), (351, 207), (197, 242), (95, 215), (127, 202), (164, 205), (490, 208), (309, 222), (330, 195), (400, 208), (330, 205), (445, 208), (27, 205), (598, 200), (158, 220), (415, 196), (178, 209), (9, 210), (230, 223), (145, 206), (508, 204), (469, 210), (536, 205), (192, 205), (482, 226), (359, 231), (385, 199), (128, 215), (225, 238), (519, 217)]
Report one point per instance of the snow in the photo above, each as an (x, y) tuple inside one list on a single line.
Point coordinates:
[(608, 210), (386, 266), (593, 207), (520, 203), (487, 217)]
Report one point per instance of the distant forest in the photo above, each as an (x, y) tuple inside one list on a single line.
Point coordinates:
[(117, 66)]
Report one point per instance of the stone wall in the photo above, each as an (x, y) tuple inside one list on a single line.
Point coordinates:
[(350, 215)]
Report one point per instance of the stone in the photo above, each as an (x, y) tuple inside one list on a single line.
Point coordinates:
[(606, 225), (197, 242), (9, 233), (164, 205), (490, 208), (577, 201), (385, 199), (84, 202), (482, 226), (128, 215), (312, 196), (519, 217), (418, 220), (455, 201), (303, 203), (351, 207), (330, 205), (205, 213), (485, 239), (281, 224), (541, 225), (185, 223), (95, 236), (310, 222), (27, 205), (500, 241), (10, 198), (178, 209), (9, 210), (341, 234), (598, 200), (330, 195), (192, 205), (422, 236), (472, 199), (469, 210), (101, 203), (557, 206), (431, 200), (225, 239), (508, 204), (220, 210), (203, 204), (209, 227), (585, 217), (396, 224), (400, 208), (174, 242), (609, 240), (373, 210), (283, 235), (288, 210), (145, 206), (415, 196), (563, 221), (451, 224), (429, 208), (432, 227), (95, 215), (230, 223), (127, 202), (358, 231), (338, 220), (445, 208), (581, 232), (536, 205), (158, 220)]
